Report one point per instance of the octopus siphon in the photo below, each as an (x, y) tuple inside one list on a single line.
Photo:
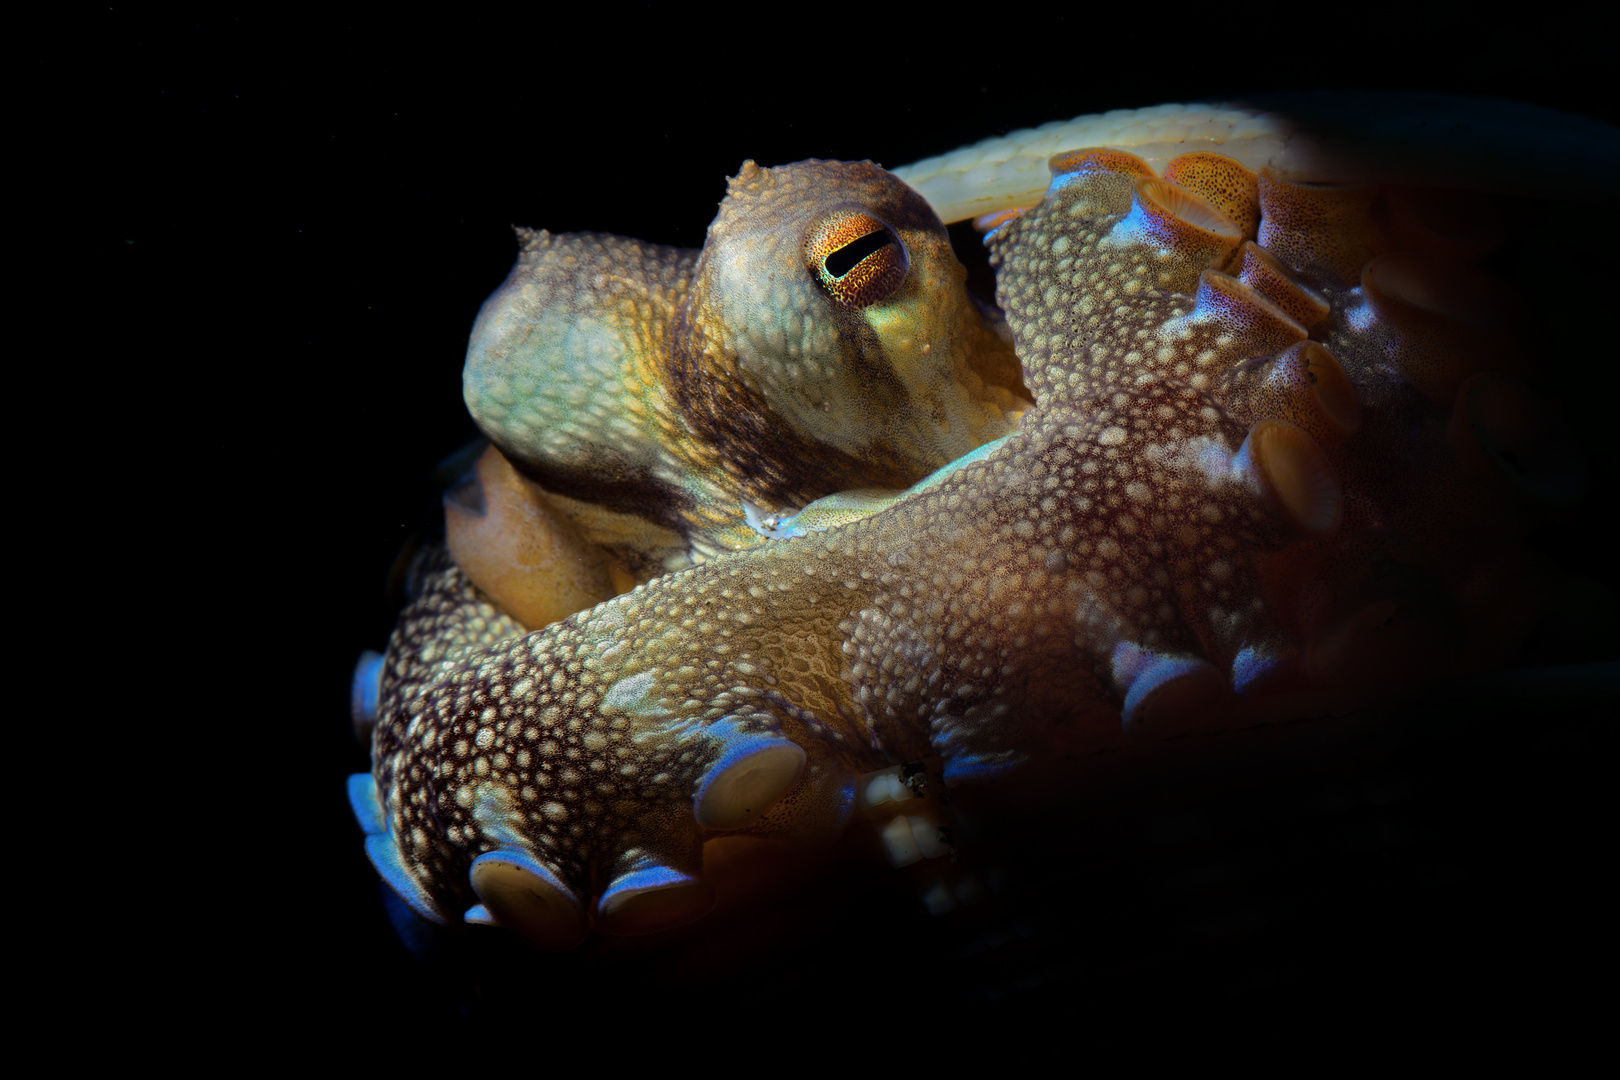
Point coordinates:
[(778, 531)]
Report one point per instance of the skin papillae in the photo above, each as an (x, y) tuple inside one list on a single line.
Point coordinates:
[(1284, 455)]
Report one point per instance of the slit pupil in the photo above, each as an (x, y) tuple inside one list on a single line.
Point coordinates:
[(843, 260)]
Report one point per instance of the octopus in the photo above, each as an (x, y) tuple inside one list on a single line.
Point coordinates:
[(792, 530)]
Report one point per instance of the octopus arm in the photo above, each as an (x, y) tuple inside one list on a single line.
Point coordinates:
[(1283, 459)]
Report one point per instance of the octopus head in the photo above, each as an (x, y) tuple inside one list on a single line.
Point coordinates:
[(828, 302)]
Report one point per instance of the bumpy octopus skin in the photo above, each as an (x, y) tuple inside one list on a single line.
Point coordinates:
[(1281, 459), (662, 397)]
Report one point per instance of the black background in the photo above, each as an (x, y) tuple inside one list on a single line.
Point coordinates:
[(299, 219)]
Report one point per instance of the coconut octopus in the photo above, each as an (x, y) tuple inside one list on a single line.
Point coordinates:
[(776, 532)]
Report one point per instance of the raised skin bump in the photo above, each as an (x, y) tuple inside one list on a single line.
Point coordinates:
[(1155, 546)]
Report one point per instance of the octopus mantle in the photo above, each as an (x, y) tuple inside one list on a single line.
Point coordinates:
[(1282, 458)]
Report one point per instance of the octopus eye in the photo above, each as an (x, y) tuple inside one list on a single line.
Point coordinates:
[(857, 258)]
